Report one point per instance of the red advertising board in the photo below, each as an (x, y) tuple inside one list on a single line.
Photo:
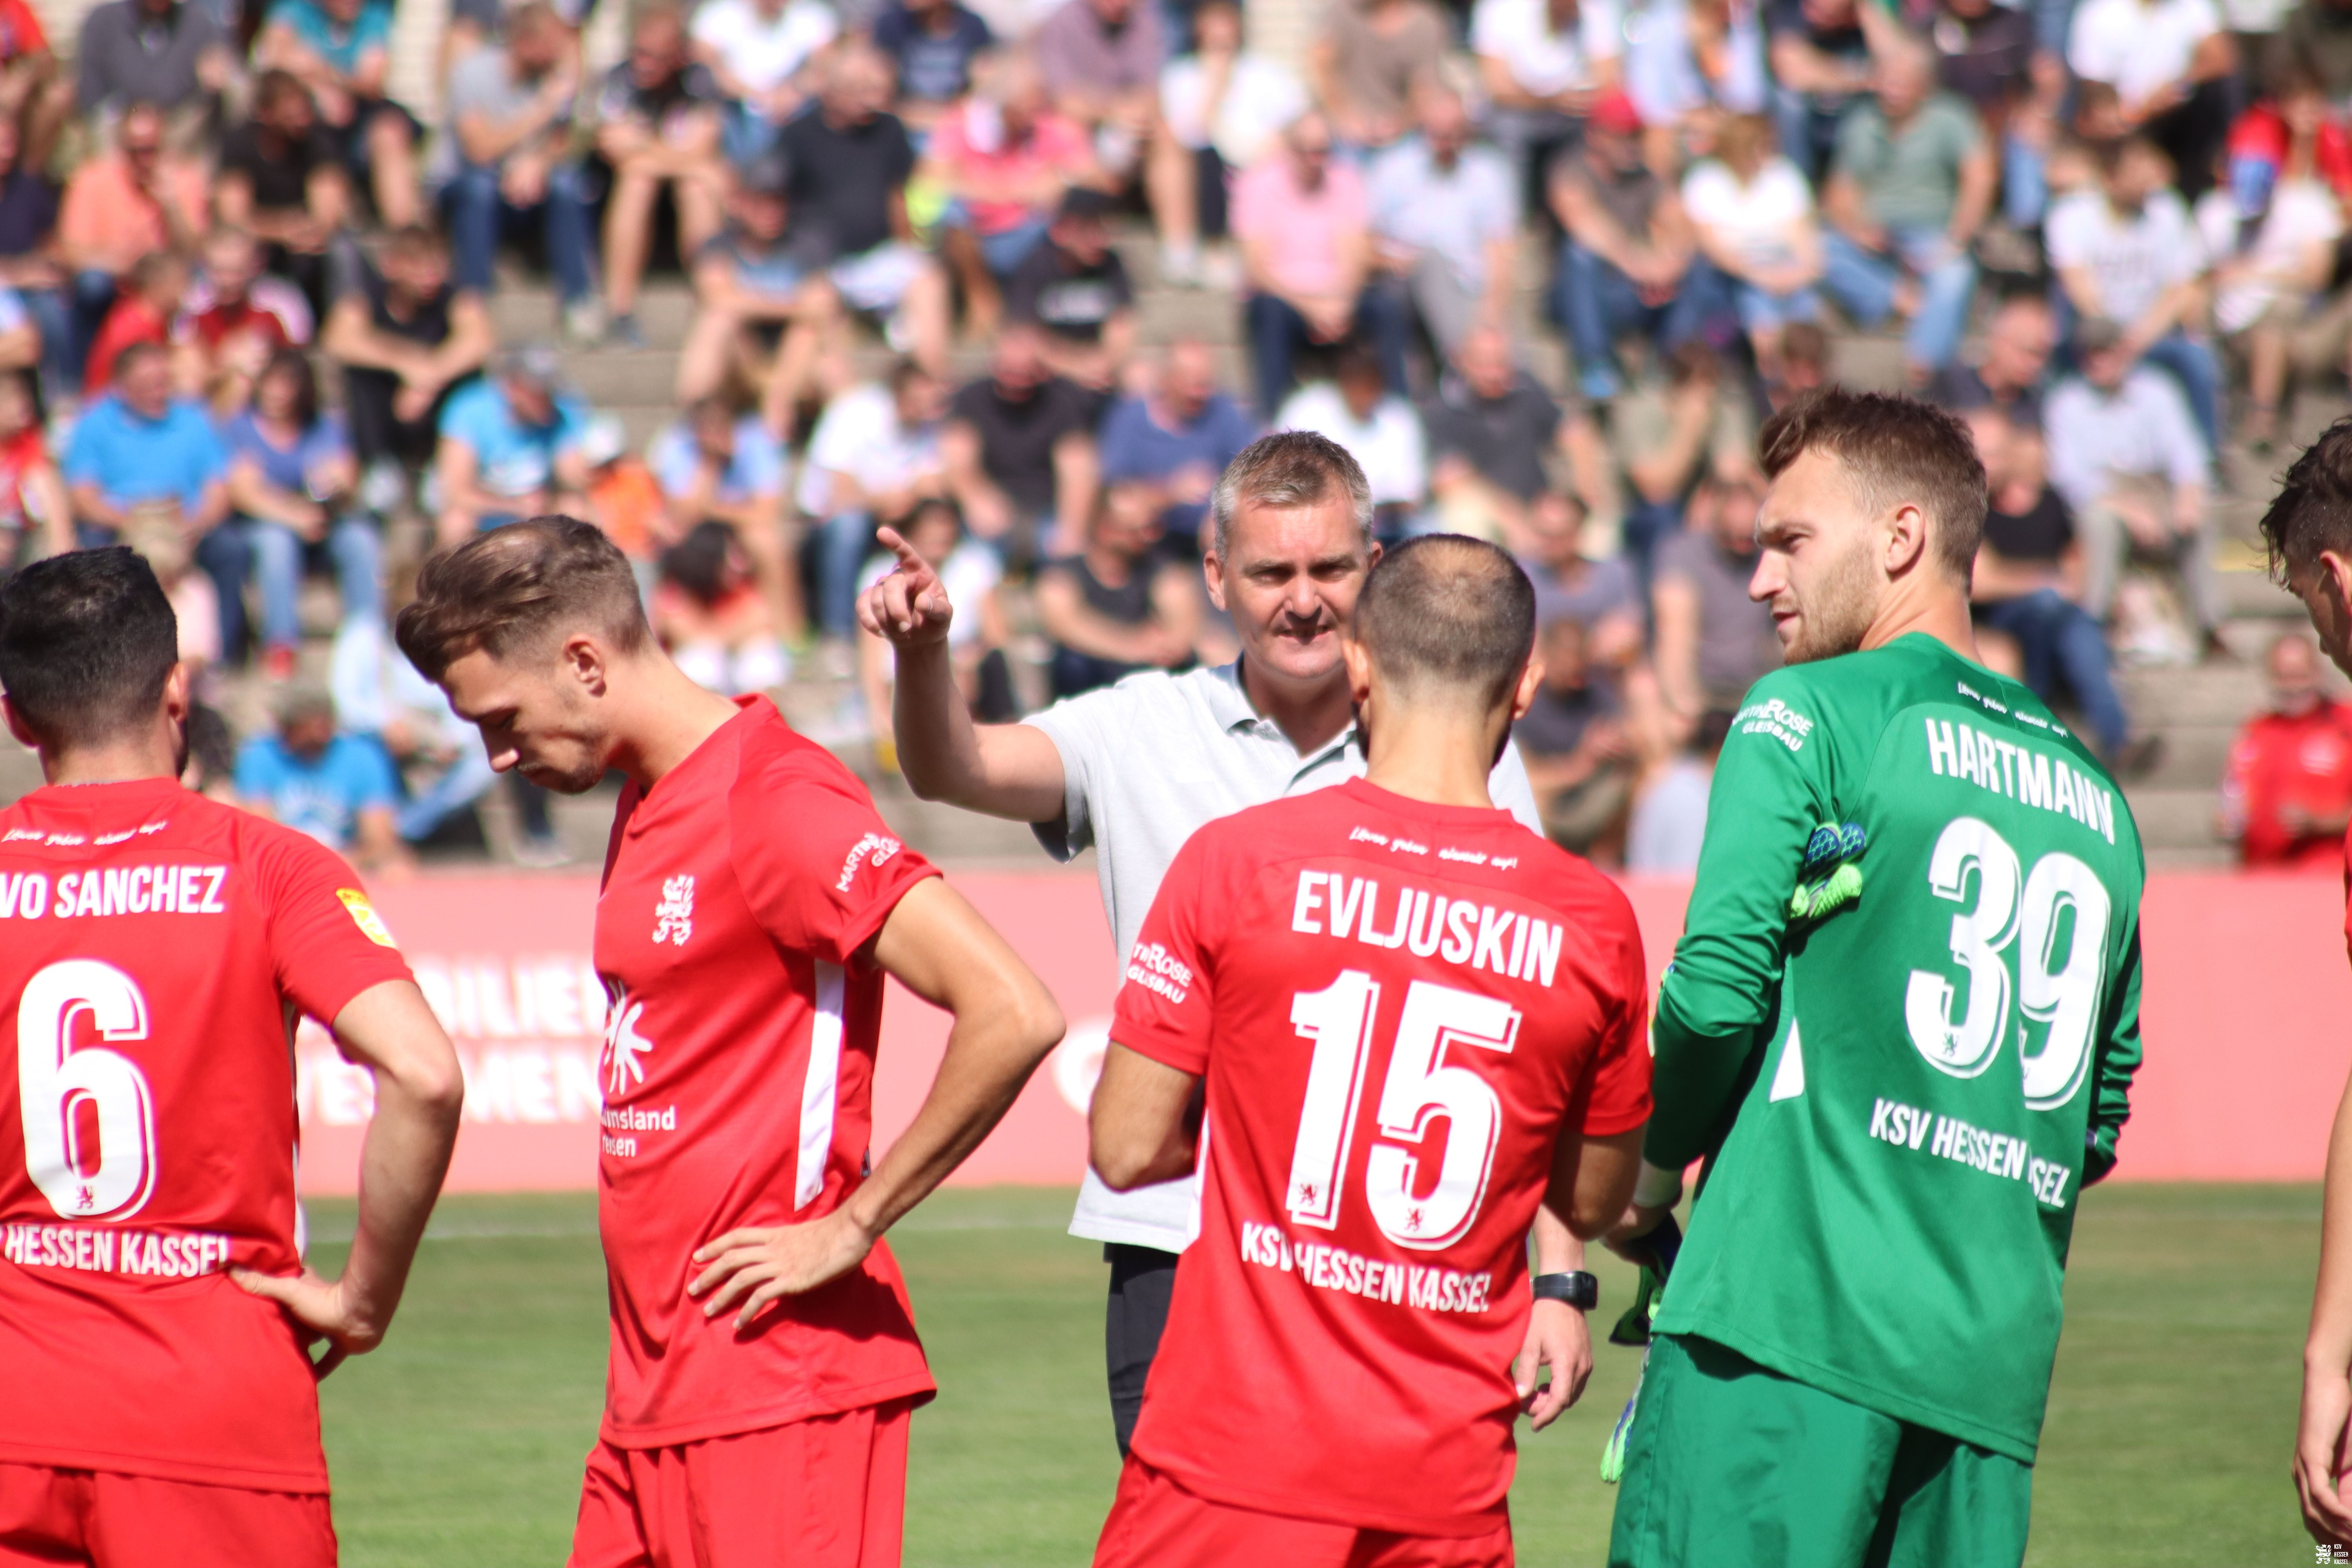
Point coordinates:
[(2247, 996)]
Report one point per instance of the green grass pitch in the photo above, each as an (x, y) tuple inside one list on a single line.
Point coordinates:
[(460, 1443)]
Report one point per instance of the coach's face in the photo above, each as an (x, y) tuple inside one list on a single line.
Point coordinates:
[(538, 717), (1291, 586), (1819, 559)]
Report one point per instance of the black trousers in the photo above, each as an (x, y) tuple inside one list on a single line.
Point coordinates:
[(1142, 1278)]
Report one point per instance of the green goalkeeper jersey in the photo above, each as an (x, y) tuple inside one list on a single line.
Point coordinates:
[(1903, 1019)]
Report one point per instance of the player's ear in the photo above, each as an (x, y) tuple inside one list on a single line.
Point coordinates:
[(1530, 682), (178, 694), (1359, 659), (1906, 538), (17, 727), (582, 659)]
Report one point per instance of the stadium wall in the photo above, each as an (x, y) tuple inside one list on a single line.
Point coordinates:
[(2247, 1008)]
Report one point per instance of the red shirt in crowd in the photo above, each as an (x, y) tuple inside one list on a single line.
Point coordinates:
[(1399, 1007), (739, 1079), (155, 951), (2304, 760)]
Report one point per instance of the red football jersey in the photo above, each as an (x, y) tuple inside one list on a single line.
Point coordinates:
[(157, 948), (2304, 760), (738, 1080), (1398, 1008)]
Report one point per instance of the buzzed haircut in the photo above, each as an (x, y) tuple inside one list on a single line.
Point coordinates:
[(1896, 450), (2313, 509), (87, 642), (1446, 610), (517, 588), (1290, 467)]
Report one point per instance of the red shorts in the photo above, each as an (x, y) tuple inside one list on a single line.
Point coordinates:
[(50, 1516), (1155, 1523), (828, 1492)]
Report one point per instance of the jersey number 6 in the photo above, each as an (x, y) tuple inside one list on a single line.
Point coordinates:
[(54, 1082), (1418, 1088), (2065, 997)]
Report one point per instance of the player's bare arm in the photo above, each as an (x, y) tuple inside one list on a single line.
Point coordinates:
[(1011, 770), (2320, 1457), (1591, 1182), (419, 1093), (938, 946), (1143, 1125)]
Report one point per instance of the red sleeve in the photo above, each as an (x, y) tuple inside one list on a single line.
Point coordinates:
[(820, 869), (24, 27), (1164, 1005), (325, 939), (1613, 1095)]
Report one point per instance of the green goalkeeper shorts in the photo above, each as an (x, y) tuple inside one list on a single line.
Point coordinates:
[(1729, 1465)]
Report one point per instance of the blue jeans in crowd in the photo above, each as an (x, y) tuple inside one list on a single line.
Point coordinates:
[(1277, 332), (1597, 304), (2191, 363), (277, 552), (2024, 184), (1862, 282), (479, 216), (844, 540), (2063, 646), (52, 313), (93, 297)]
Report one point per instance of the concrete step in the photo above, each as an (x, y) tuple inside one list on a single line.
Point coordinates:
[(2174, 819)]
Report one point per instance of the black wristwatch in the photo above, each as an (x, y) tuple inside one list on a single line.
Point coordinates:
[(1579, 1290)]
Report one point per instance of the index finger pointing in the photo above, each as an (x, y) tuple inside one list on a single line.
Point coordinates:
[(892, 541)]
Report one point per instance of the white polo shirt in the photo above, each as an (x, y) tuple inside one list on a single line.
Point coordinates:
[(1148, 762)]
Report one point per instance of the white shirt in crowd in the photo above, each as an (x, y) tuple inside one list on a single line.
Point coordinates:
[(1261, 98), (1757, 221), (1663, 76), (969, 574), (1519, 34), (2133, 258), (1391, 444), (2142, 429), (2303, 215), (763, 53), (859, 435), (2137, 48), (1454, 213)]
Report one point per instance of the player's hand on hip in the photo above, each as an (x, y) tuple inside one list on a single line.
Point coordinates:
[(755, 1267), (2319, 1456), (1557, 1338), (910, 606), (321, 1306)]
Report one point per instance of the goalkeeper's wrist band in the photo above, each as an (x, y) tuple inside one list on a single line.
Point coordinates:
[(1657, 1188), (1579, 1289)]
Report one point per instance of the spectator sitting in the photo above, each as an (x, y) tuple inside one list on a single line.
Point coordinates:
[(339, 789), (1602, 597), (1985, 52), (624, 499), (1543, 63), (342, 50), (1445, 222), (1573, 740), (1100, 62), (405, 335), (1669, 819), (121, 207), (2028, 579), (36, 99), (1074, 289), (153, 293), (1819, 56), (1713, 642), (762, 313), (1628, 263), (31, 258), (1804, 363), (35, 517), (2017, 340), (141, 460), (509, 447), (511, 123), (1223, 105), (977, 634), (1118, 606), (658, 123), (1002, 158), (760, 51), (2316, 34), (1911, 182), (1490, 428), (2127, 252), (380, 697), (709, 613), (872, 458), (850, 161), (1177, 438), (1380, 428), (292, 481), (170, 53), (717, 464), (2127, 458), (2172, 66), (281, 179), (1367, 62), (1020, 453), (1668, 432), (235, 318), (2287, 796), (1754, 216), (1304, 222), (1690, 62), (933, 44)]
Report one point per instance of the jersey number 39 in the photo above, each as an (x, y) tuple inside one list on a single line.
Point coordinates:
[(64, 1094), (2064, 995), (1419, 1088)]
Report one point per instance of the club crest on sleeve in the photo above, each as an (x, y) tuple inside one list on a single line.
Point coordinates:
[(673, 916), (363, 916)]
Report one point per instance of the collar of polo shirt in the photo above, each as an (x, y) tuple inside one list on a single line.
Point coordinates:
[(1231, 705)]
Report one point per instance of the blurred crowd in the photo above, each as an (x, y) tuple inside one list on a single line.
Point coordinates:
[(249, 325)]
